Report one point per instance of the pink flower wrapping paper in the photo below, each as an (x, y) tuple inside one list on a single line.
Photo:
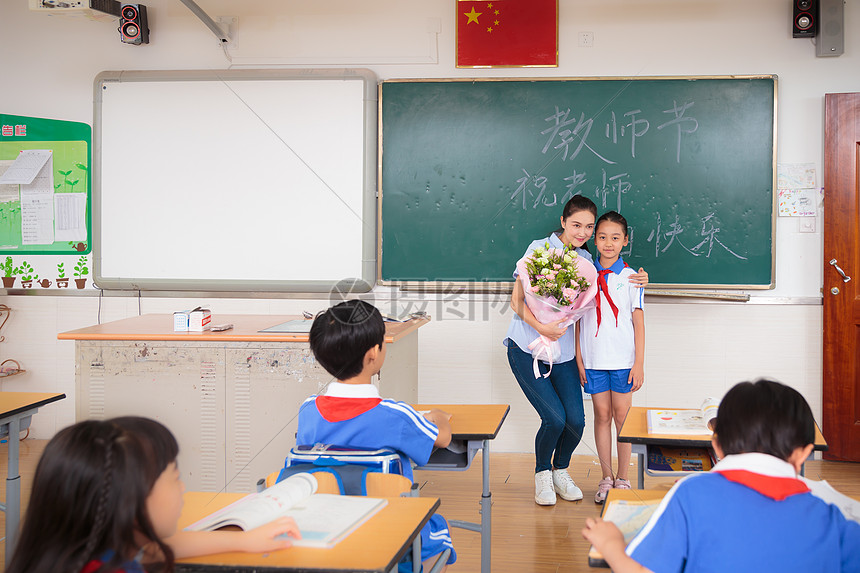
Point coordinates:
[(547, 309)]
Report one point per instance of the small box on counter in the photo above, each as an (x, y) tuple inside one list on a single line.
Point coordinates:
[(196, 320), (199, 319), (180, 321)]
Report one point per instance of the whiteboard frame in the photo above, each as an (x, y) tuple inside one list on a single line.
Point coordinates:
[(369, 233)]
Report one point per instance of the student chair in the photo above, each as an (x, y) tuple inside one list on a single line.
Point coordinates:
[(347, 471)]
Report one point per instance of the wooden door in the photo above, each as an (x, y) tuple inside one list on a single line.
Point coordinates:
[(841, 405)]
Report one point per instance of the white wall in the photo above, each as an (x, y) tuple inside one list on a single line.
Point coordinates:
[(693, 349)]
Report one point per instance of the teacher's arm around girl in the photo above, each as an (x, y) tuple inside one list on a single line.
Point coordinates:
[(107, 497), (555, 393), (610, 348)]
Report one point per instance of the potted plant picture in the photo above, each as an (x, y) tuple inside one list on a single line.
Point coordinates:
[(62, 279), (81, 271), (28, 275), (8, 273)]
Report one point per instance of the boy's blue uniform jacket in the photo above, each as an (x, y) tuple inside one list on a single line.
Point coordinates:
[(355, 416), (750, 513)]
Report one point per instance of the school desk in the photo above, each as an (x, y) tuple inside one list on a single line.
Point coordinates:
[(14, 408), (474, 425), (231, 398), (634, 430), (377, 545)]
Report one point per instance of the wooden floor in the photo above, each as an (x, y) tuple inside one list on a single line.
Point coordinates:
[(526, 537)]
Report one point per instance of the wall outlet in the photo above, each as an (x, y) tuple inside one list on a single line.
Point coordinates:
[(586, 39), (807, 224)]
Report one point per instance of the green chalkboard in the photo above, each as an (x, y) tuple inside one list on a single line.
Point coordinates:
[(472, 171)]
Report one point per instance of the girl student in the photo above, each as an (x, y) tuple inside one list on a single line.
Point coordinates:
[(107, 497), (610, 348), (557, 399)]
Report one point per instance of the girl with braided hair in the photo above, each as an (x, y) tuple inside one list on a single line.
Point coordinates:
[(106, 498)]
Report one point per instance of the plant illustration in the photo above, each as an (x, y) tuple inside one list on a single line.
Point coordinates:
[(81, 268), (65, 175), (25, 271), (8, 267), (61, 272), (73, 183)]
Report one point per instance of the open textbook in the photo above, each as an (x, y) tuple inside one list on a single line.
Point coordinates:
[(630, 516), (323, 519), (684, 422)]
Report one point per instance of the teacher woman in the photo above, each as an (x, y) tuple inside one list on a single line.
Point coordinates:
[(558, 398)]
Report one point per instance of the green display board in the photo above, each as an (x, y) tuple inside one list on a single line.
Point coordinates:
[(472, 171), (64, 226)]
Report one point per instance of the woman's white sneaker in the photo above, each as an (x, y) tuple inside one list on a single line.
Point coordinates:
[(564, 486), (544, 493)]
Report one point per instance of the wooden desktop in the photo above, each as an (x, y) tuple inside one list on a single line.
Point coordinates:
[(376, 546), (634, 431)]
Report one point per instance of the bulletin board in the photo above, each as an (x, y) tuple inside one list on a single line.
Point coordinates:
[(235, 180), (53, 219)]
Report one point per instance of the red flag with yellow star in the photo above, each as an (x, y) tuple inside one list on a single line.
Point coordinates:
[(514, 33)]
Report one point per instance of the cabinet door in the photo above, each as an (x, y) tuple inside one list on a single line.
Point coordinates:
[(180, 386), (266, 384)]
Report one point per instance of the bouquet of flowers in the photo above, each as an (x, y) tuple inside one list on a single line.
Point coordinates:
[(559, 284)]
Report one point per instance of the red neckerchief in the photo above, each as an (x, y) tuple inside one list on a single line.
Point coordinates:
[(774, 487), (337, 409), (603, 288)]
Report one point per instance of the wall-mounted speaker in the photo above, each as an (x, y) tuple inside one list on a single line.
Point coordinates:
[(805, 22), (133, 26), (831, 28)]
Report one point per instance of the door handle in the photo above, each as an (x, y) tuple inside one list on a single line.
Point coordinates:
[(845, 278)]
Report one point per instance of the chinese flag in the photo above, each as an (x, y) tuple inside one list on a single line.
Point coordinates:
[(513, 33)]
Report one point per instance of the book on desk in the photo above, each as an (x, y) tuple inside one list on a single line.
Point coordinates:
[(669, 459), (684, 422), (630, 516), (323, 519)]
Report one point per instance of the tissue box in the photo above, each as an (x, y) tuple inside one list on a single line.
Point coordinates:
[(199, 319), (196, 320)]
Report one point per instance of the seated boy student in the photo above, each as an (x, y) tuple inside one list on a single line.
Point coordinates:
[(750, 513), (348, 340)]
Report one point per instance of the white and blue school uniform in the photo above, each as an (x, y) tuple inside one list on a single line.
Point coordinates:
[(750, 513), (609, 344), (355, 416), (521, 333)]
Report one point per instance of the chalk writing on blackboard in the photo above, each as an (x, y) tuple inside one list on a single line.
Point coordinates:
[(684, 124), (567, 134), (709, 232)]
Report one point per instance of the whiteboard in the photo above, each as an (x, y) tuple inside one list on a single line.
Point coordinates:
[(234, 180)]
